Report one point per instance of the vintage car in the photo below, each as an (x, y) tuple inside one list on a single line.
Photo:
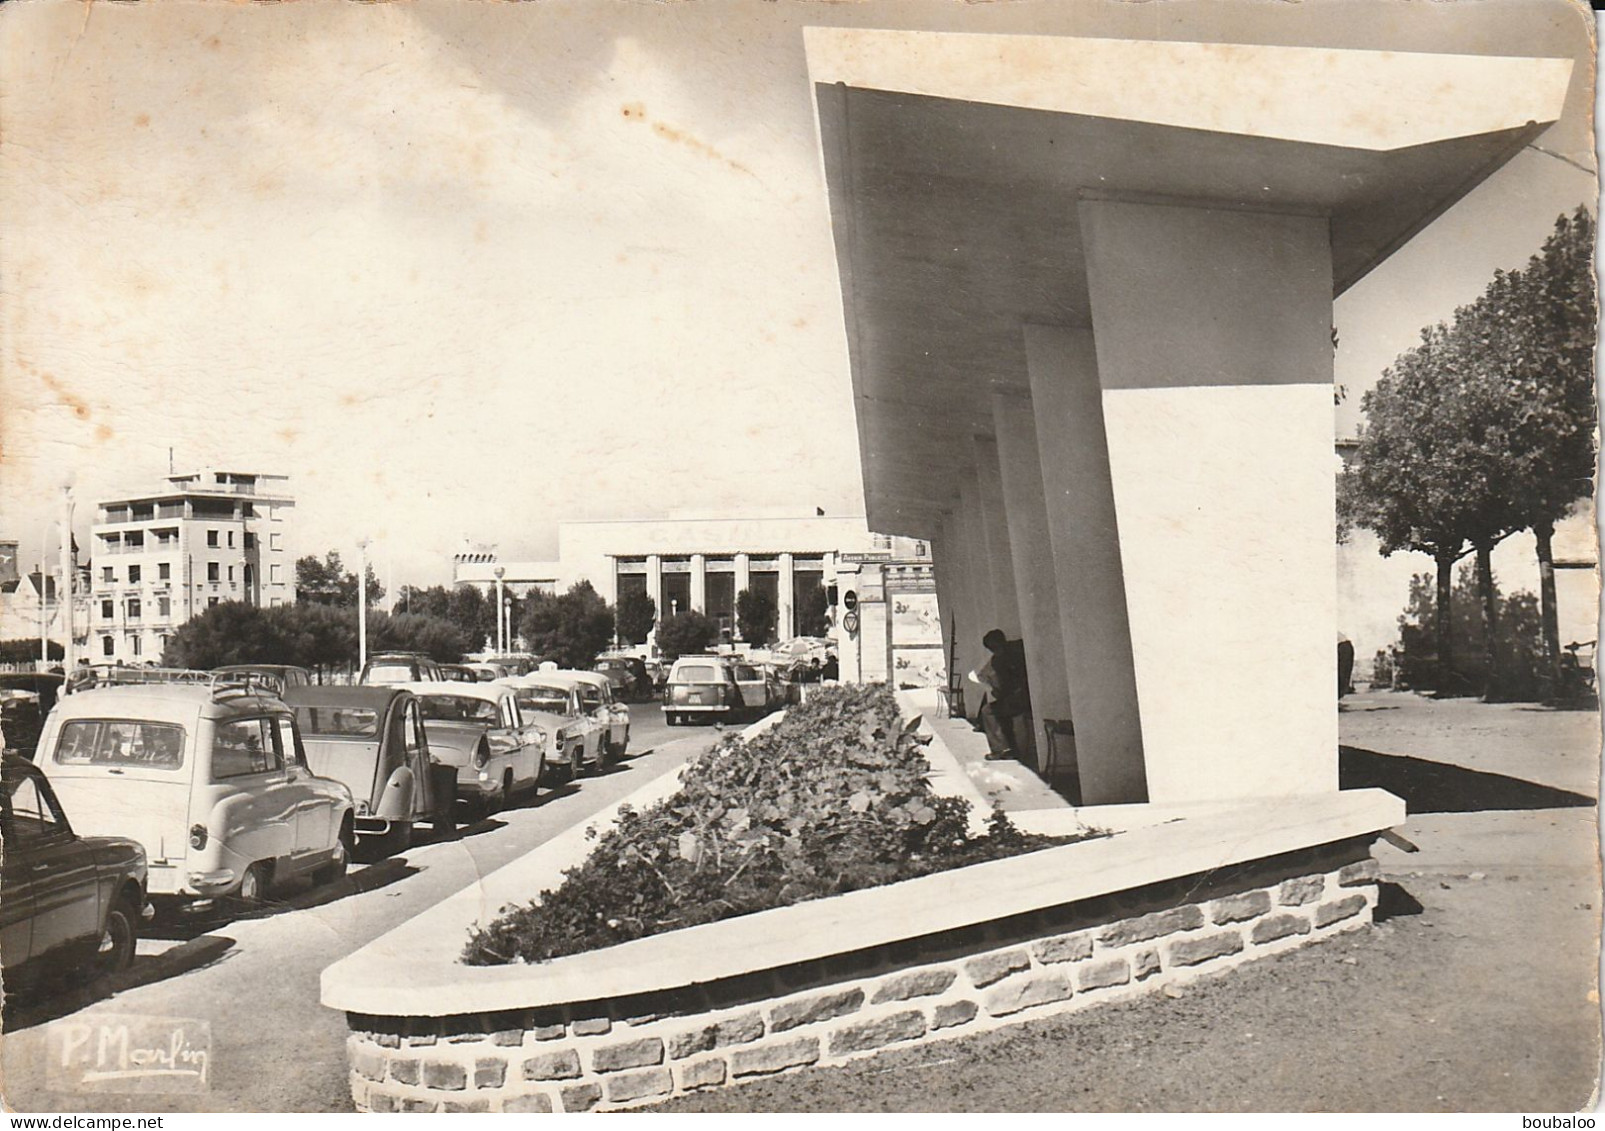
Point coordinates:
[(574, 738), (760, 690), (597, 700), (67, 902), (209, 775), (457, 673), (485, 671), (632, 682), (398, 667), (478, 729), (702, 687), (288, 675), (373, 740)]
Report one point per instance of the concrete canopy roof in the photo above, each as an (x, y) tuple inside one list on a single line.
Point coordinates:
[(955, 163)]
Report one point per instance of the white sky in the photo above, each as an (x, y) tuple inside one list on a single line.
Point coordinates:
[(472, 268)]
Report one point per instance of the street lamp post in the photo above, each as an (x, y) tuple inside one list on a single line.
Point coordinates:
[(362, 605), (499, 572), (64, 594), (507, 630)]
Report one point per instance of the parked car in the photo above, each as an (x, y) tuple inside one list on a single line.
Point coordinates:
[(209, 776), (373, 740), (485, 671), (613, 717), (67, 902), (574, 738), (288, 675), (458, 673), (632, 682), (399, 667), (701, 687), (45, 687), (478, 729), (760, 690)]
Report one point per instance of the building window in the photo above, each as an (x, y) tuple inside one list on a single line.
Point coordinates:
[(164, 571), (919, 549), (211, 538), (250, 540), (164, 606), (212, 572), (108, 646), (133, 575), (276, 574), (275, 540), (133, 608), (107, 611), (108, 574), (135, 643), (231, 575), (211, 601), (231, 539)]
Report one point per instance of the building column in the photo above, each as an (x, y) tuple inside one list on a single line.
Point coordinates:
[(1031, 551), (699, 583), (743, 572), (978, 592), (1214, 359), (944, 572), (787, 599), (1089, 585), (995, 528), (654, 583)]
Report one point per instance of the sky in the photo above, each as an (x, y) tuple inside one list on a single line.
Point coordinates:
[(469, 269)]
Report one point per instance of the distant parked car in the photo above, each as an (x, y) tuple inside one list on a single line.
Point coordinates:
[(632, 683), (288, 675), (457, 673), (209, 776), (611, 715), (478, 729), (574, 738), (45, 687), (701, 687), (399, 667), (760, 690), (485, 671), (373, 740), (67, 902)]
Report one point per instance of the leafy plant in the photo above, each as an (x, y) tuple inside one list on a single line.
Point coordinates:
[(833, 799), (571, 628), (686, 634)]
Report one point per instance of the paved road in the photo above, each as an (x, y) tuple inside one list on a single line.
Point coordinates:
[(255, 980)]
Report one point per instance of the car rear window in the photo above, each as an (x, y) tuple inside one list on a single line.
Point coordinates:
[(747, 673), (120, 742), (390, 673), (339, 722), (457, 709), (699, 673)]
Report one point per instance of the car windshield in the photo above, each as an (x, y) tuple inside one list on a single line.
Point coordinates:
[(699, 673), (339, 722), (457, 709), (120, 742), (551, 699)]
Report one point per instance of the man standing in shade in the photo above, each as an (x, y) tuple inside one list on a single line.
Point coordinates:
[(1008, 696)]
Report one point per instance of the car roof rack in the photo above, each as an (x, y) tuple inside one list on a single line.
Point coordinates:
[(222, 684)]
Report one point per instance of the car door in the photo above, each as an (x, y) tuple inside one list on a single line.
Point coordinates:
[(63, 879), (313, 797), (263, 805), (16, 891), (527, 755)]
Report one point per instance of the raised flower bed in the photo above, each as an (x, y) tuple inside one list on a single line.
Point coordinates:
[(1170, 897)]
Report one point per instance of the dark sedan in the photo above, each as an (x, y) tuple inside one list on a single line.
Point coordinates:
[(68, 903)]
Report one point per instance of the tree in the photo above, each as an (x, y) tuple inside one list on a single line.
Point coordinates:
[(572, 628), (634, 616), (685, 634), (755, 616), (812, 610), (1520, 644), (328, 582), (436, 637), (319, 637), (230, 632), (26, 650)]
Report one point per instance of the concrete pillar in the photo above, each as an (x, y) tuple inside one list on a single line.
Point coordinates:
[(654, 583), (1089, 586), (1213, 335), (943, 572), (980, 594), (995, 527), (699, 583), (743, 572), (1031, 551), (788, 598)]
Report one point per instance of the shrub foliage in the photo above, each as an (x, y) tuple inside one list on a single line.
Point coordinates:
[(832, 799)]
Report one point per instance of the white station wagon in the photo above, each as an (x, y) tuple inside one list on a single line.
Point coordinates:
[(208, 775)]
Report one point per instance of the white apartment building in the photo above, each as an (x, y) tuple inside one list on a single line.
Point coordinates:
[(160, 558)]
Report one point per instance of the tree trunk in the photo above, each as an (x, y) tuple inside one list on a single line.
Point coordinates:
[(1490, 620), (1542, 533), (1442, 623)]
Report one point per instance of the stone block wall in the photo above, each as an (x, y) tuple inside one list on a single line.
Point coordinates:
[(603, 1055)]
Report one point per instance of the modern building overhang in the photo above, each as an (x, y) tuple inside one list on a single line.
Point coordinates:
[(955, 165)]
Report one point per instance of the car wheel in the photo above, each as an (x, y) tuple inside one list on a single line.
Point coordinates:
[(118, 939), (576, 762), (253, 885)]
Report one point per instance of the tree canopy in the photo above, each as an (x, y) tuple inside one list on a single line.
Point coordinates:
[(755, 616), (686, 634), (572, 628), (634, 616), (328, 582)]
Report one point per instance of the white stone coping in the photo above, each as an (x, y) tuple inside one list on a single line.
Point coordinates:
[(413, 970)]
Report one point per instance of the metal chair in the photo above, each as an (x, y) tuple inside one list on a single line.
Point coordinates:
[(1062, 736)]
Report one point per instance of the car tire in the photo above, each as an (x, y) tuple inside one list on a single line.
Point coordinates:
[(118, 940), (253, 885)]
